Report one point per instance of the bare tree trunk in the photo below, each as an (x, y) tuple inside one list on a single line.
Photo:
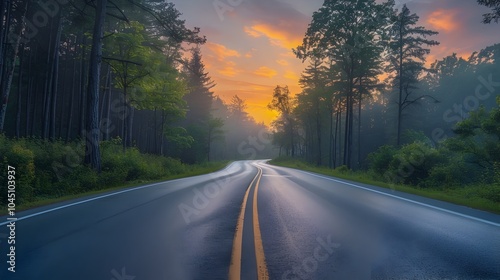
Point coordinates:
[(92, 150), (19, 85), (55, 80), (5, 88), (330, 142), (338, 135), (108, 110), (81, 85), (47, 94), (29, 89), (4, 29), (318, 132), (72, 98), (125, 120), (359, 120), (400, 100), (162, 139)]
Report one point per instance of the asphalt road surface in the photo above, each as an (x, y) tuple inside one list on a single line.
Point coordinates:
[(252, 221)]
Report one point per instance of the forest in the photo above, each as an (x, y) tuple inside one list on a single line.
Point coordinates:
[(100, 93), (372, 102)]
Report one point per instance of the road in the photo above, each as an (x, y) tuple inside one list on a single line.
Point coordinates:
[(252, 220)]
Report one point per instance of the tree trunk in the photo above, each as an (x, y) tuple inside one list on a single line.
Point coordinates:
[(71, 101), (318, 133), (55, 80), (162, 132), (359, 120), (330, 137), (4, 30), (92, 150), (81, 86), (19, 85), (125, 124), (5, 88), (29, 90), (400, 105), (108, 109)]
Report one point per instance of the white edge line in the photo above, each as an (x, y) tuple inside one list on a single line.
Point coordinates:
[(102, 196), (405, 199)]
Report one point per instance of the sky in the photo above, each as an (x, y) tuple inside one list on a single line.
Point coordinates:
[(249, 42)]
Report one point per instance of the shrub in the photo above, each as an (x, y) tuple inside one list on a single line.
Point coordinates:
[(342, 169), (414, 162), (380, 160)]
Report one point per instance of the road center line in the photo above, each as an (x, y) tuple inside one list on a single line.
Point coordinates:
[(262, 273), (235, 266)]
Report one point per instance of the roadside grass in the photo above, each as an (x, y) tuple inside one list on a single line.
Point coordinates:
[(478, 196), (190, 170)]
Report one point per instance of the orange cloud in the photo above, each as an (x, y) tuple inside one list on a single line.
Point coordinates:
[(443, 20), (250, 53), (277, 36), (221, 52), (282, 62), (265, 72), (251, 32), (291, 75), (229, 69)]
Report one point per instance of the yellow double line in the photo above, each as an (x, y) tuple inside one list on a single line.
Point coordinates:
[(235, 267)]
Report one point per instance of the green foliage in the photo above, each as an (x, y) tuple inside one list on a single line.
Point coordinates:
[(22, 159), (54, 169), (410, 164), (342, 169), (471, 157), (381, 159)]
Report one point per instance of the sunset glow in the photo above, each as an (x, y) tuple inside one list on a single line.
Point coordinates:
[(249, 52)]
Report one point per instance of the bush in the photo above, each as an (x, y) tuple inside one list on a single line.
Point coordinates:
[(490, 192), (414, 162), (22, 159), (342, 169), (53, 169), (380, 160)]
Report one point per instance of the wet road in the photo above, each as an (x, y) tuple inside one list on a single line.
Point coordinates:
[(253, 221)]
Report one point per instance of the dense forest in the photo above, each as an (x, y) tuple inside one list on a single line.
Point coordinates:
[(150, 87), (372, 101), (81, 78)]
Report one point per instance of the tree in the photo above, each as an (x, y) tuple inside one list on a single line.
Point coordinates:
[(131, 61), (407, 56), (92, 150), (314, 101), (237, 108), (342, 31), (199, 98), (199, 104), (11, 31), (284, 104), (214, 133), (495, 14)]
